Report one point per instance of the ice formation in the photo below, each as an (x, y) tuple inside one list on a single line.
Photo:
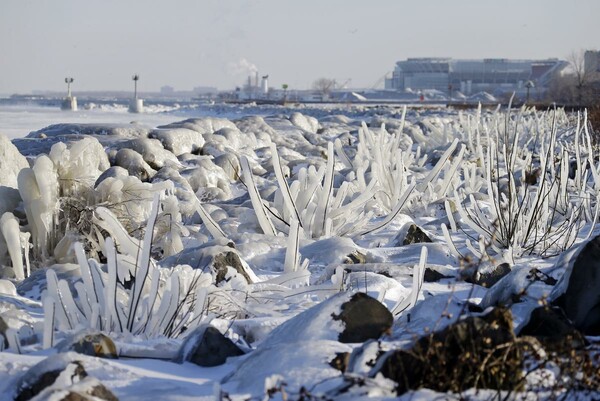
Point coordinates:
[(264, 226)]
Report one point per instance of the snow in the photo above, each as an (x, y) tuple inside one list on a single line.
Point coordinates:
[(259, 183)]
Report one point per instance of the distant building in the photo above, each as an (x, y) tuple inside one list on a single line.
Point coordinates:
[(592, 64), (205, 90), (167, 90), (496, 76)]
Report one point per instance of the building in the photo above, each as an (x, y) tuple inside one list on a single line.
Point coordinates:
[(591, 64), (496, 76)]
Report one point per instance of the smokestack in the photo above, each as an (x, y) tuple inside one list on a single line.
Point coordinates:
[(265, 84), (256, 79)]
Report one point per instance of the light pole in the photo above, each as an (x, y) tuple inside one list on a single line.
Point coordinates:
[(70, 102), (69, 81), (136, 105), (135, 77), (529, 85)]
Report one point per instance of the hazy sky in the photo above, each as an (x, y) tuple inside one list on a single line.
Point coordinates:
[(187, 43)]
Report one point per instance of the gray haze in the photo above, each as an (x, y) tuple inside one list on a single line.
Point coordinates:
[(188, 43)]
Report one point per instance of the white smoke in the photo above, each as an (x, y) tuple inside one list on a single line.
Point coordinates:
[(241, 67)]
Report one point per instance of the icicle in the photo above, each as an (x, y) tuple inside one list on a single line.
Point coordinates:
[(9, 225), (113, 308), (49, 321), (259, 208), (325, 195), (211, 225), (292, 254), (143, 265), (283, 185)]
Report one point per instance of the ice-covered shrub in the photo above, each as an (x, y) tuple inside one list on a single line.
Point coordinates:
[(17, 244), (530, 203), (392, 160), (39, 189), (11, 163), (158, 303), (320, 209), (78, 165)]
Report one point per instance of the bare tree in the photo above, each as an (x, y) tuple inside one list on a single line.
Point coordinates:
[(582, 76), (324, 85)]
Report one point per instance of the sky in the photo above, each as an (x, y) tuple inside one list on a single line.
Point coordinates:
[(189, 43)]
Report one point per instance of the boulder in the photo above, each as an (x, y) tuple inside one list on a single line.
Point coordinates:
[(511, 288), (488, 276), (59, 377), (92, 344), (207, 347), (552, 329), (345, 317), (466, 354), (364, 318), (433, 276), (218, 256), (114, 172), (412, 234), (578, 290)]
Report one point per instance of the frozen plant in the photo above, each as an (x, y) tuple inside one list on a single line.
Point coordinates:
[(157, 304)]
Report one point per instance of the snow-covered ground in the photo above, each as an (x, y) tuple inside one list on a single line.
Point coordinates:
[(222, 251)]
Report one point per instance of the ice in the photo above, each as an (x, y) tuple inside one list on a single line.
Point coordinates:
[(334, 190)]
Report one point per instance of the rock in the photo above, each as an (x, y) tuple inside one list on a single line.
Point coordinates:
[(92, 344), (3, 328), (88, 389), (344, 317), (578, 290), (355, 257), (487, 277), (230, 165), (58, 377), (461, 356), (208, 347), (433, 276), (415, 235), (134, 163), (222, 261), (220, 256), (364, 319), (114, 172), (37, 380), (340, 362), (511, 288), (552, 328)]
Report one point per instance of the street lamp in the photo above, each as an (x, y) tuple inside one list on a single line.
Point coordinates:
[(70, 102), (136, 105), (69, 81), (529, 85), (135, 77)]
